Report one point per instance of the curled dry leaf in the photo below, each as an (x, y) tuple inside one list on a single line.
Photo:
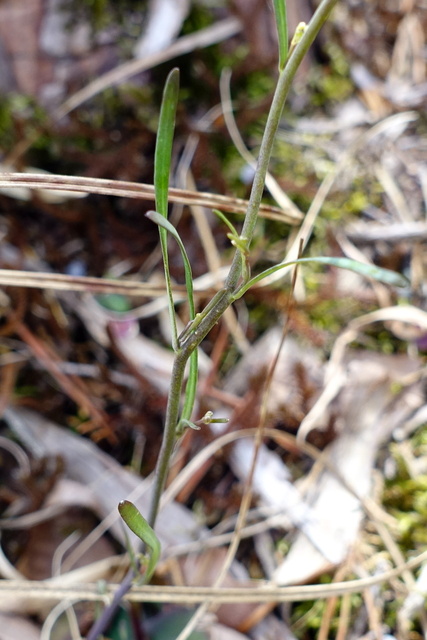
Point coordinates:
[(204, 570), (112, 483)]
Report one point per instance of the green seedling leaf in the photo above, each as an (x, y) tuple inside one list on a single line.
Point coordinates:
[(184, 423), (140, 527), (209, 419), (165, 225), (238, 241), (164, 141), (191, 386), (206, 419), (367, 270), (226, 221), (282, 31), (162, 166)]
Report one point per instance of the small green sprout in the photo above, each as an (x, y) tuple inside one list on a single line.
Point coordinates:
[(140, 527), (207, 419), (299, 32)]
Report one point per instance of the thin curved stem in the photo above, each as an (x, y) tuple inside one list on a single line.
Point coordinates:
[(169, 436), (284, 83), (226, 297)]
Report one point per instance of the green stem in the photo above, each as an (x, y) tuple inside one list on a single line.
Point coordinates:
[(191, 387), (226, 296), (223, 299), (169, 436), (284, 83)]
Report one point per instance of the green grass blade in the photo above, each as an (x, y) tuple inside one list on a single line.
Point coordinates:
[(140, 527), (191, 386), (226, 221), (167, 227), (282, 31), (367, 270), (164, 141), (162, 167)]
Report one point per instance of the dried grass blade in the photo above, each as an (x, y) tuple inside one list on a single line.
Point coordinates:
[(124, 189)]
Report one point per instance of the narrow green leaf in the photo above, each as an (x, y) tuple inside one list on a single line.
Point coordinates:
[(140, 527), (226, 221), (238, 241), (165, 225), (164, 141), (367, 270), (191, 386), (282, 31), (189, 424), (162, 166)]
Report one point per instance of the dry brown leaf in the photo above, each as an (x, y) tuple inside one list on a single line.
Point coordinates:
[(203, 571), (86, 463), (367, 411)]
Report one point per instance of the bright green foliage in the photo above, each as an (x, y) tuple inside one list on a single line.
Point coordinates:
[(140, 527), (367, 270), (162, 167), (165, 224), (282, 31), (190, 393)]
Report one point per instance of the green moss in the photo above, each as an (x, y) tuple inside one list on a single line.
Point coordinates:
[(20, 116), (339, 61), (290, 160), (261, 316), (6, 125), (419, 441), (307, 616), (356, 202), (258, 85), (406, 499), (102, 14), (332, 83), (331, 315), (332, 88)]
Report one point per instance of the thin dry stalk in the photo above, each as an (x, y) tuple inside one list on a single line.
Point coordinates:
[(56, 590), (142, 191)]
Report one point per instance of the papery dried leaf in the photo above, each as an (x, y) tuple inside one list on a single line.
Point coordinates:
[(368, 410)]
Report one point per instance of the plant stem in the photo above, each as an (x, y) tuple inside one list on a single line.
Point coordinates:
[(227, 296), (169, 436), (286, 78), (223, 299), (106, 616)]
